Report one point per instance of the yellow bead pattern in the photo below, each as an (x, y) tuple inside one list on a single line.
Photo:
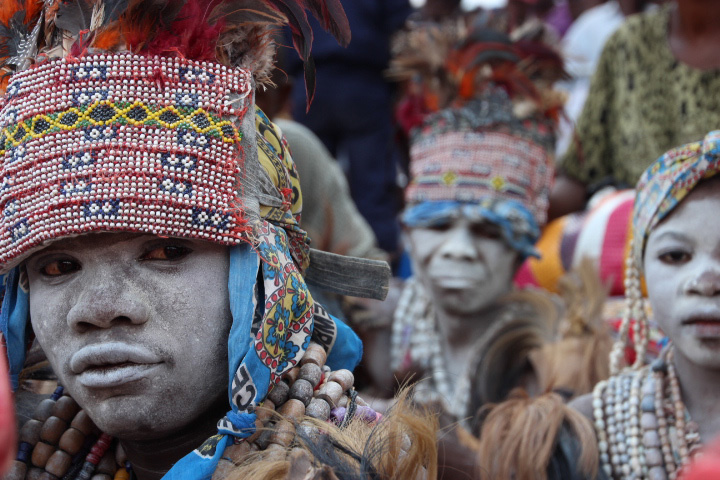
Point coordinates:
[(104, 113)]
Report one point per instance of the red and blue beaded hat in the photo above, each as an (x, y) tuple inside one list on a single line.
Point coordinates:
[(123, 142), (139, 116)]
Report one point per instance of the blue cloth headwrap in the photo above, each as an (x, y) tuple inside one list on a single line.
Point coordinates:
[(14, 318), (517, 224)]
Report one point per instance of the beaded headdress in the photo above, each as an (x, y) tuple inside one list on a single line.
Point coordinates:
[(139, 116), (134, 116), (480, 115), (661, 188)]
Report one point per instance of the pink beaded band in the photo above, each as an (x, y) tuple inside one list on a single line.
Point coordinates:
[(122, 142)]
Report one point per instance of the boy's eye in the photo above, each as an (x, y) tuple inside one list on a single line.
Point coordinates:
[(439, 227), (60, 267), (486, 230), (674, 257), (167, 252)]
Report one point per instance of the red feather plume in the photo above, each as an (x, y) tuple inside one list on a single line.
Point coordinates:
[(196, 27), (32, 10), (192, 34), (190, 29), (144, 18), (8, 9), (17, 20), (453, 65)]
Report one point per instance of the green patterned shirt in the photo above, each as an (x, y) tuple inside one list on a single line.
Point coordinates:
[(642, 102)]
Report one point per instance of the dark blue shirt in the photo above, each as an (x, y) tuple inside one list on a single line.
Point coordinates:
[(372, 23)]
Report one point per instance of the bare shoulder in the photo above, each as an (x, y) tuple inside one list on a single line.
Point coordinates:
[(584, 405)]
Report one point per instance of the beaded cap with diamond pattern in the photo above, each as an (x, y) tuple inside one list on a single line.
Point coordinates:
[(122, 143), (139, 116)]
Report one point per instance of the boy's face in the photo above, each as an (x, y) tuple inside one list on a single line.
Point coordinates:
[(135, 326), (466, 266), (682, 271)]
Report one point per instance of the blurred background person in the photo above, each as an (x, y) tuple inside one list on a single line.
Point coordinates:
[(330, 216), (352, 109), (581, 47), (438, 10), (656, 85), (594, 22)]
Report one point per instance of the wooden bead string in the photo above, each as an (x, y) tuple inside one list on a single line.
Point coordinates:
[(643, 428), (308, 390), (62, 442)]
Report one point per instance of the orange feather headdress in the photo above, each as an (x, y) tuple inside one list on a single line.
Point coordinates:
[(447, 66)]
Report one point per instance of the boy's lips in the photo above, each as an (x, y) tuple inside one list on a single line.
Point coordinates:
[(703, 325), (112, 364)]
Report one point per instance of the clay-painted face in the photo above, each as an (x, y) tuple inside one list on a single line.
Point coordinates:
[(466, 266), (135, 326), (682, 270)]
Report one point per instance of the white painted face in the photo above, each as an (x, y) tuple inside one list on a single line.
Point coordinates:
[(135, 326), (466, 266), (682, 271)]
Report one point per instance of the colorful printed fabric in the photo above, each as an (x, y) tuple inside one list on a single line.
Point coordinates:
[(668, 181), (276, 161), (114, 142), (516, 222), (255, 366), (642, 102), (459, 155)]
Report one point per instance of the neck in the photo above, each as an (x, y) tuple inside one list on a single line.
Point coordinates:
[(694, 32), (700, 389), (463, 330), (151, 459), (695, 18)]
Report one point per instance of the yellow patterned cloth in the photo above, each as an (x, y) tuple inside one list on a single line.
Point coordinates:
[(275, 159), (642, 102)]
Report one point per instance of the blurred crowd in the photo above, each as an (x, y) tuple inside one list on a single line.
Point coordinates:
[(356, 116), (635, 78), (492, 158)]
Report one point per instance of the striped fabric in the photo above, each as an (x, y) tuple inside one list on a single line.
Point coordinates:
[(601, 233)]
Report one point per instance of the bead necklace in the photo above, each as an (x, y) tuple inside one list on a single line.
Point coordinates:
[(62, 442), (417, 342), (643, 428)]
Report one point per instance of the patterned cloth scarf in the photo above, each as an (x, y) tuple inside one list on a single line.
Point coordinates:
[(668, 181)]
